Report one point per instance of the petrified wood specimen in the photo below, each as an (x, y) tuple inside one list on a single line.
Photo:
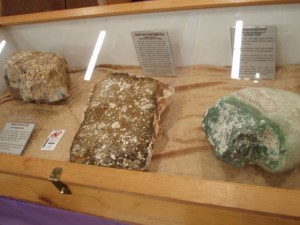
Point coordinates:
[(37, 77), (121, 122)]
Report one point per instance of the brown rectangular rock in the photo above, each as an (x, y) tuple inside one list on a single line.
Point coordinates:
[(121, 122)]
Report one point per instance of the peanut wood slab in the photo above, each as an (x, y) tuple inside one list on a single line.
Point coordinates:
[(121, 122)]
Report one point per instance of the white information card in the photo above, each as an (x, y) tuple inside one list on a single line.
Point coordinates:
[(53, 140), (154, 52), (257, 54), (14, 137)]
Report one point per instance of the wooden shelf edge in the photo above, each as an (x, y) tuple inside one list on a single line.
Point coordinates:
[(133, 208), (182, 189), (131, 8)]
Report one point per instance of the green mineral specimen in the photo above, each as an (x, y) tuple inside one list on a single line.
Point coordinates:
[(256, 126)]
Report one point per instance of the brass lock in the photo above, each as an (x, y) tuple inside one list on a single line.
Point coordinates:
[(54, 178)]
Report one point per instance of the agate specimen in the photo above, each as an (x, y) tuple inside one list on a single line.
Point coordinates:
[(37, 77), (256, 126)]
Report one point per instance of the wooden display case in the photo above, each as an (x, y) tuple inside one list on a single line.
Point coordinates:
[(161, 195)]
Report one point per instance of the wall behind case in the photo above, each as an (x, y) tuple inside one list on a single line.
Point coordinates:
[(200, 36)]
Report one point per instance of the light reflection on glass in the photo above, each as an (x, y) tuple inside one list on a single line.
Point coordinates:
[(257, 76), (235, 69), (2, 44), (94, 57)]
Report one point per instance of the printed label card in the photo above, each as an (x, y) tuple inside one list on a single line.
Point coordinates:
[(14, 137), (254, 51), (53, 140), (154, 52)]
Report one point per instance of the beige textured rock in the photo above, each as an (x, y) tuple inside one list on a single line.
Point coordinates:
[(37, 77)]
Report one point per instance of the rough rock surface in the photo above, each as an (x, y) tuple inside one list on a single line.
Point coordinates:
[(37, 77), (121, 122), (257, 126)]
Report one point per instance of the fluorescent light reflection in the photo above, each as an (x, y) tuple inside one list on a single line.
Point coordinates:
[(94, 57), (257, 77), (235, 69), (2, 44)]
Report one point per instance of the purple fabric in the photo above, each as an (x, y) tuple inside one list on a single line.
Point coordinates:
[(13, 212)]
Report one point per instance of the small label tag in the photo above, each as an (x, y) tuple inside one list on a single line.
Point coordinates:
[(53, 140), (256, 52), (14, 137), (154, 52)]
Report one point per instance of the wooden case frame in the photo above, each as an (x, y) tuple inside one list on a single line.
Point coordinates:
[(139, 197)]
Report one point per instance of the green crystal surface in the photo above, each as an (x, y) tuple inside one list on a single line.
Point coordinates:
[(240, 135)]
